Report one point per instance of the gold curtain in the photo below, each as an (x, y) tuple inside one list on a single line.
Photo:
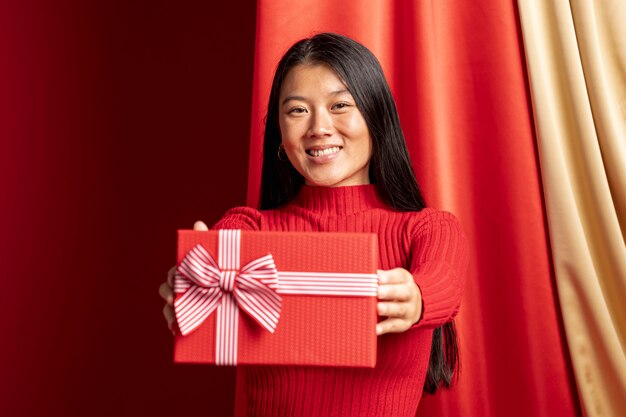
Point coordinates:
[(576, 56)]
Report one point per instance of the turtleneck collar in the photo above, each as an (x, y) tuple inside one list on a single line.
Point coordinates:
[(339, 200)]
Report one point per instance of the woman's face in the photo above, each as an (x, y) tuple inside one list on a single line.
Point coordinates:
[(323, 132)]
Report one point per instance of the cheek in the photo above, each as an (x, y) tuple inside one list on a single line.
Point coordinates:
[(355, 126), (357, 130), (282, 128), (288, 133)]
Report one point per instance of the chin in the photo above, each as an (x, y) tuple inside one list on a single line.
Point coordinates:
[(333, 183), (322, 183)]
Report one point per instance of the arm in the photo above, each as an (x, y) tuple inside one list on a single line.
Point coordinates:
[(438, 265), (244, 218), (429, 293)]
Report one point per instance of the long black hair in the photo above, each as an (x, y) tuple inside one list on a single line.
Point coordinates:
[(390, 167)]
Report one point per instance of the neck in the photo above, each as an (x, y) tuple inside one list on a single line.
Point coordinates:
[(339, 200)]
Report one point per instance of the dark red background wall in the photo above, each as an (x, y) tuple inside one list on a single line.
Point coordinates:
[(119, 123)]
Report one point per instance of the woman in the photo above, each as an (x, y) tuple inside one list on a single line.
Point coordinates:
[(335, 159)]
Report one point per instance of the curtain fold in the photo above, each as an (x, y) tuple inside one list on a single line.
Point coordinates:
[(458, 76), (576, 53)]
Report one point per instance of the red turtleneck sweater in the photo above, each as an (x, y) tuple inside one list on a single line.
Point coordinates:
[(430, 244)]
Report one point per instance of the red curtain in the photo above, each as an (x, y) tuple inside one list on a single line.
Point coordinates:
[(457, 72)]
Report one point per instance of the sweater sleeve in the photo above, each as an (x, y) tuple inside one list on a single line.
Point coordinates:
[(244, 218), (439, 262)]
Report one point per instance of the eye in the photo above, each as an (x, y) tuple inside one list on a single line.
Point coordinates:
[(296, 110), (340, 106)]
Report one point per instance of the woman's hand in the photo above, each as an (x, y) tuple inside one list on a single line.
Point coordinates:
[(166, 292), (400, 301), (166, 289)]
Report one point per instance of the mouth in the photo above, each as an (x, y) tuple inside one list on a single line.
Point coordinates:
[(323, 151)]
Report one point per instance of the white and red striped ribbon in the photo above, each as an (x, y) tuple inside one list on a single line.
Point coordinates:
[(224, 287), (327, 283)]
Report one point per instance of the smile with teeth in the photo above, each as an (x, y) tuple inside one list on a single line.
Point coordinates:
[(321, 152)]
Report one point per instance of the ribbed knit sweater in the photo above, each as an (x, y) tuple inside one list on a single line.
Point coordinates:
[(429, 243)]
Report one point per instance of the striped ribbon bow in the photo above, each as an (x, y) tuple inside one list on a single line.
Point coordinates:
[(225, 287)]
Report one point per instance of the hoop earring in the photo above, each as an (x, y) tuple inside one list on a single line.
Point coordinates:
[(282, 156)]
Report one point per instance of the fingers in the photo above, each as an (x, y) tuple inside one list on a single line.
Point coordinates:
[(396, 284), (200, 226), (400, 317), (166, 293), (170, 276), (401, 301), (396, 310), (392, 325), (170, 317), (396, 292), (394, 276)]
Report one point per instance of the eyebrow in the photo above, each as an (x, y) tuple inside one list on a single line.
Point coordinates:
[(334, 93)]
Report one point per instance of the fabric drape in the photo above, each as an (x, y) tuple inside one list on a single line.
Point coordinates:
[(457, 72), (576, 53)]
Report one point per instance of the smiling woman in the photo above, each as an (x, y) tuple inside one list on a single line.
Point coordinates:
[(335, 160), (323, 132)]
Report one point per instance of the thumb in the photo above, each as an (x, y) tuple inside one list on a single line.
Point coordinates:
[(200, 226)]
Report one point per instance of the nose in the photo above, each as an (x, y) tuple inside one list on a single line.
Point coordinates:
[(320, 124)]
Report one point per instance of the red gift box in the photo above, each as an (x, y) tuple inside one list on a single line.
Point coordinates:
[(290, 298)]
